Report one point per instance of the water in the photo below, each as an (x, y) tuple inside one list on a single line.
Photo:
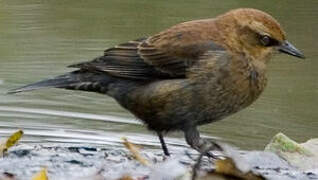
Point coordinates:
[(39, 38)]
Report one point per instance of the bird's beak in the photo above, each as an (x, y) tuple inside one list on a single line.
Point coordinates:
[(290, 49)]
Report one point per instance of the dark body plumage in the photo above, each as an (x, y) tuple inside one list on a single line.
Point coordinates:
[(191, 74)]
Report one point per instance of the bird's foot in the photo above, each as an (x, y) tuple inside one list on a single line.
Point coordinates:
[(204, 146), (209, 149)]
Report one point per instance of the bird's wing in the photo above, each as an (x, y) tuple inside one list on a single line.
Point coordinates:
[(124, 61), (166, 55)]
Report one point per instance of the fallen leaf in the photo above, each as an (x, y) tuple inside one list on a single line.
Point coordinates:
[(42, 175), (11, 141), (135, 152), (126, 177), (228, 167)]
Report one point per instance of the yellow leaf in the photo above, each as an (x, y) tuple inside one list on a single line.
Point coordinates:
[(228, 167), (126, 177), (135, 152), (14, 138), (11, 141), (42, 175)]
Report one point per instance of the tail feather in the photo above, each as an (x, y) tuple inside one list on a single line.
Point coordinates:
[(57, 82), (85, 81)]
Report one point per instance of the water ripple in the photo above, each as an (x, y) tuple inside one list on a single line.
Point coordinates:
[(105, 118)]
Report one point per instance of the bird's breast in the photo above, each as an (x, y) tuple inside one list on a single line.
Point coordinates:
[(229, 89), (207, 96)]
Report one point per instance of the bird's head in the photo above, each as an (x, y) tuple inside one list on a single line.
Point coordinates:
[(255, 34)]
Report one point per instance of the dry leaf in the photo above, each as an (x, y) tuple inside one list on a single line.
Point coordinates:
[(11, 141), (42, 175), (126, 177), (228, 167), (135, 152)]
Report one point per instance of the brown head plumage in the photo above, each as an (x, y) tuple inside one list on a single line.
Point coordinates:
[(251, 32)]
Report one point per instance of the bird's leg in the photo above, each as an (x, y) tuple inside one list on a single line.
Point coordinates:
[(163, 144), (204, 146)]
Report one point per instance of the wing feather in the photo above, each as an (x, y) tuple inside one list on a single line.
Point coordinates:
[(169, 54)]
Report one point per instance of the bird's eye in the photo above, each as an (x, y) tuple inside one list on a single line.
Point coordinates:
[(265, 40)]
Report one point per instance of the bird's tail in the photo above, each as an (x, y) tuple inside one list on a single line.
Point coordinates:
[(77, 80)]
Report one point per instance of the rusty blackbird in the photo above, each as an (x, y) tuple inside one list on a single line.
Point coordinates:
[(190, 74)]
